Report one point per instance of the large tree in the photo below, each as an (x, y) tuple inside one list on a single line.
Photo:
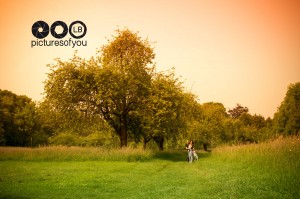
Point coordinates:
[(165, 109), (112, 85), (125, 79)]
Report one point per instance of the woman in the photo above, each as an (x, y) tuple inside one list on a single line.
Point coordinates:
[(189, 147)]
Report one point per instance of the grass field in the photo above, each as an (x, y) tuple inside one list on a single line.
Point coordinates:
[(266, 170)]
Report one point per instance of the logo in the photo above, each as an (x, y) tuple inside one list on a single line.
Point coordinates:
[(55, 26), (40, 29), (59, 30), (74, 30)]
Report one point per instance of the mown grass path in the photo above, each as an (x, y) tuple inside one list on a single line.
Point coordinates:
[(254, 171)]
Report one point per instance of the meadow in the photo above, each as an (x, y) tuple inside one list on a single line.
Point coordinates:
[(265, 170)]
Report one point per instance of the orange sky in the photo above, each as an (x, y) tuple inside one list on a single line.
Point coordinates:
[(228, 51)]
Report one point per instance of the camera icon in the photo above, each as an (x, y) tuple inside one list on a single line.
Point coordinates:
[(40, 29)]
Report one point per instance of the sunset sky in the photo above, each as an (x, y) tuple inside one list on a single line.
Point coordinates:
[(228, 51)]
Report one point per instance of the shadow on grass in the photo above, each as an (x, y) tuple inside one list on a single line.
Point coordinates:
[(178, 155)]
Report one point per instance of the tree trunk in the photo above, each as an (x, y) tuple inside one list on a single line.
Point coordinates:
[(146, 140), (160, 142), (123, 132), (205, 146)]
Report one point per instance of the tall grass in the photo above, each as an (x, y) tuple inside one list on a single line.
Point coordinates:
[(275, 164), (281, 155), (274, 152), (64, 153), (282, 151)]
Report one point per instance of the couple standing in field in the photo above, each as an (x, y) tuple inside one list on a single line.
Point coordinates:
[(191, 152)]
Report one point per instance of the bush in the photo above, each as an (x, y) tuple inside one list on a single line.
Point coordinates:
[(94, 139), (65, 139)]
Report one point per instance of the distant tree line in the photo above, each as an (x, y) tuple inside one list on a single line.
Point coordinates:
[(117, 98)]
